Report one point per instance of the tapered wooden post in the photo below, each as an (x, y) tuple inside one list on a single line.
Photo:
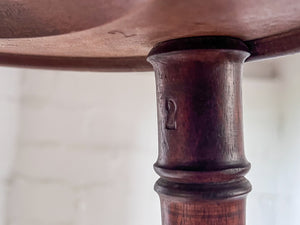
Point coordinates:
[(201, 157)]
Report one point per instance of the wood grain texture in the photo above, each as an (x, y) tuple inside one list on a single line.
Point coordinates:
[(111, 31), (219, 212), (201, 158), (36, 18), (276, 45), (123, 64)]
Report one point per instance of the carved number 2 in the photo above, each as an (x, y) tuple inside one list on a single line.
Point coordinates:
[(171, 113)]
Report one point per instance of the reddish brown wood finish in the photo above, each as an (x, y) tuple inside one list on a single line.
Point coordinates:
[(116, 35), (36, 18), (275, 45), (201, 157)]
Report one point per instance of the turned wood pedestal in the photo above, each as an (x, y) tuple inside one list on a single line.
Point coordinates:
[(201, 157)]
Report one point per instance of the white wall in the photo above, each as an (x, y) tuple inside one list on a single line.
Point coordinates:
[(272, 128), (262, 116), (86, 148), (9, 123), (87, 142)]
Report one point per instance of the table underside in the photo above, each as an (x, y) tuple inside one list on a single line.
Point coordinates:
[(117, 35)]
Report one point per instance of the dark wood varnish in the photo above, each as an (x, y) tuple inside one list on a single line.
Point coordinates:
[(201, 157)]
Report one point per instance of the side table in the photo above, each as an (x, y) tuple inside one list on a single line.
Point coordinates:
[(197, 49)]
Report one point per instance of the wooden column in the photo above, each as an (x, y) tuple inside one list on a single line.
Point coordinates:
[(201, 157)]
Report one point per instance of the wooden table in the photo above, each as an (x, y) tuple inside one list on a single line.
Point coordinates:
[(197, 49)]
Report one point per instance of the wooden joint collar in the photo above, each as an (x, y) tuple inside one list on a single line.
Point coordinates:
[(201, 157)]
